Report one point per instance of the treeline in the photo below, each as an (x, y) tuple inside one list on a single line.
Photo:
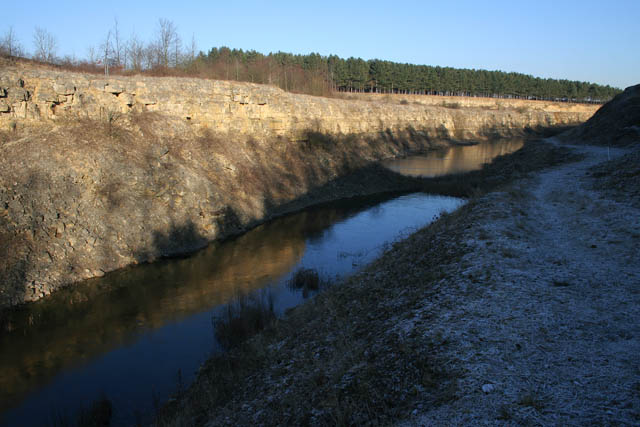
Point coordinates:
[(317, 74), (166, 54)]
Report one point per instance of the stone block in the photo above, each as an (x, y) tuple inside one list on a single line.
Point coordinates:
[(46, 95), (113, 87), (64, 88), (126, 98), (17, 94)]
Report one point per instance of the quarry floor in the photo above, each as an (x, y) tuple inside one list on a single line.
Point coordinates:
[(521, 308)]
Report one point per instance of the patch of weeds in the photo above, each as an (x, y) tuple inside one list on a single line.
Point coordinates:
[(517, 193), (483, 234), (99, 414), (12, 134), (404, 102), (504, 413), (508, 253), (111, 120), (244, 317), (453, 105), (319, 140), (531, 400), (510, 234), (305, 279)]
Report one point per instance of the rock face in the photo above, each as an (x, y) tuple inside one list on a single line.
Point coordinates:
[(617, 123), (30, 94), (97, 174)]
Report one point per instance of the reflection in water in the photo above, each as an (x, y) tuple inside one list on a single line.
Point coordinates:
[(452, 160), (129, 333)]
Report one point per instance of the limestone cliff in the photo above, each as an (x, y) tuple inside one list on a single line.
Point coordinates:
[(100, 173), (29, 94)]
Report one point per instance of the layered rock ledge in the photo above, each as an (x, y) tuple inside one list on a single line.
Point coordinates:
[(99, 173)]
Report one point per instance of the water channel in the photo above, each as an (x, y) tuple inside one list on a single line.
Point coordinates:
[(135, 334)]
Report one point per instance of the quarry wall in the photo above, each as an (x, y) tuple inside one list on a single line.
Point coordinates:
[(29, 94), (100, 173)]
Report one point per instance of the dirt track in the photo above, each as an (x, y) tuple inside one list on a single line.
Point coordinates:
[(547, 326)]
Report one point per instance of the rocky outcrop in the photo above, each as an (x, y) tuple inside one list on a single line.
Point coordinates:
[(29, 94), (100, 173)]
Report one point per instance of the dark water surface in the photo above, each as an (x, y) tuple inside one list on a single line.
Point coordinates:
[(136, 334)]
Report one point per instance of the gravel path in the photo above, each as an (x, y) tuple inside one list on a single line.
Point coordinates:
[(547, 329)]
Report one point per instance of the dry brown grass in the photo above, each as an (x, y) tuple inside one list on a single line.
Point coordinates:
[(244, 317)]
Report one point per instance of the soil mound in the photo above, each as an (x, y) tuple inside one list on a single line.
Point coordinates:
[(616, 123)]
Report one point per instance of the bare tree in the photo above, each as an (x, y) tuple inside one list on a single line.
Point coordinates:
[(91, 53), (9, 45), (167, 42), (192, 48), (45, 45), (119, 52), (153, 55), (136, 52), (106, 51), (177, 50)]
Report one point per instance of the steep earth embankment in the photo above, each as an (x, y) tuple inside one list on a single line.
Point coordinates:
[(617, 123), (521, 308), (100, 173)]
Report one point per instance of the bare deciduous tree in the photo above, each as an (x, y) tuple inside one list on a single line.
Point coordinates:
[(45, 45), (136, 52), (167, 42), (106, 50), (192, 48), (9, 44), (91, 53), (119, 52), (153, 55)]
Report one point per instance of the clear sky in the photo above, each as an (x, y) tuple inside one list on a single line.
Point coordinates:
[(595, 41)]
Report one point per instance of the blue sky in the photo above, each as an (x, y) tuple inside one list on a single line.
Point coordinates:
[(596, 41)]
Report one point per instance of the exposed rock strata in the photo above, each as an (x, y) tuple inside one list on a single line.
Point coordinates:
[(30, 94), (97, 174)]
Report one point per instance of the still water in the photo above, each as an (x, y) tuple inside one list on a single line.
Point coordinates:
[(134, 334), (457, 159)]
